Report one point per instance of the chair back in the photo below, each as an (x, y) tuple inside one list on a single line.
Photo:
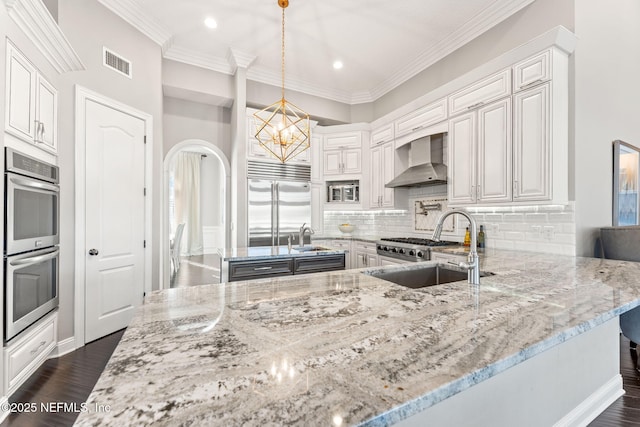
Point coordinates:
[(621, 242), (177, 240)]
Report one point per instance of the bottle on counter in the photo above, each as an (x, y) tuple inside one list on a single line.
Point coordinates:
[(467, 238), (481, 237)]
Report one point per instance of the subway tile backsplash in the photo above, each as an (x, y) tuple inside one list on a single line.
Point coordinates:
[(549, 229)]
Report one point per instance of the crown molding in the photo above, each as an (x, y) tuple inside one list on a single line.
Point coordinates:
[(236, 58), (131, 12), (33, 18), (188, 56), (485, 20)]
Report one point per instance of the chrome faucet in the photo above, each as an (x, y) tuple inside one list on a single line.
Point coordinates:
[(303, 230), (472, 265)]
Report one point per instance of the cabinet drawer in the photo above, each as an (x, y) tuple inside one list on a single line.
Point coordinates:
[(382, 134), (365, 247), (25, 355), (481, 92), (247, 270), (421, 118), (314, 264), (532, 71), (343, 140)]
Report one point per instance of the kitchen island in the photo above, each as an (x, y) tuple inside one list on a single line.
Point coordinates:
[(346, 348), (271, 261)]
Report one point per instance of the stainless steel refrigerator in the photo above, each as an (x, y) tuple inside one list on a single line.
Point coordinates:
[(279, 204)]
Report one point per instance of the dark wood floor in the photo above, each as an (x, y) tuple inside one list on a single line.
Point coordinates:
[(67, 379), (197, 270), (71, 378)]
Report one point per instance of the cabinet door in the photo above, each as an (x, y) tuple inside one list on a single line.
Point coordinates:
[(47, 112), (532, 71), (361, 260), (20, 113), (532, 162), (352, 161), (387, 172), (390, 261), (382, 134), (372, 260), (317, 202), (462, 165), (494, 152), (421, 118), (375, 178), (481, 93), (332, 162)]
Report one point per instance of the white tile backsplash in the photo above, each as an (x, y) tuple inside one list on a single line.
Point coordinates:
[(541, 228)]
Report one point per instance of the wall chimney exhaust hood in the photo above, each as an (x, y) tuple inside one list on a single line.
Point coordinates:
[(425, 165)]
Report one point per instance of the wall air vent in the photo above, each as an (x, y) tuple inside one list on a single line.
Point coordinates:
[(117, 63)]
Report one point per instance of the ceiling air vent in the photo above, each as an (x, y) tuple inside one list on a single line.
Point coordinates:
[(116, 62)]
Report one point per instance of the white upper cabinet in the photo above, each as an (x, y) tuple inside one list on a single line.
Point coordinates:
[(481, 93), (532, 168), (462, 164), (381, 171), (421, 118), (532, 71), (343, 153), (382, 134), (480, 155), (31, 112)]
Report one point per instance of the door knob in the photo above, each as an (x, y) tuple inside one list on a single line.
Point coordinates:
[(93, 252)]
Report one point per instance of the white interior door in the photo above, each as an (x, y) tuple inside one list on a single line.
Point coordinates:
[(114, 242)]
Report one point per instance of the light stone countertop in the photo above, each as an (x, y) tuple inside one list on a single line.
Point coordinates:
[(301, 350)]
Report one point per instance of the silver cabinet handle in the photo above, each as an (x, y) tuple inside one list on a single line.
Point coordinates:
[(42, 132), (35, 350), (533, 83), (477, 104), (416, 128), (262, 268)]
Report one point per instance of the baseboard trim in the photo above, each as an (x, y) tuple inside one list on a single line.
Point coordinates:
[(65, 346), (593, 405)]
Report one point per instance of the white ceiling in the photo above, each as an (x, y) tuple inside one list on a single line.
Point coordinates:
[(381, 43)]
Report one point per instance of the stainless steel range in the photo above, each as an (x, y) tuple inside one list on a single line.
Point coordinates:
[(409, 248)]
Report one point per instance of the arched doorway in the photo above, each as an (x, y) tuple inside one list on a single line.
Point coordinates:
[(196, 178)]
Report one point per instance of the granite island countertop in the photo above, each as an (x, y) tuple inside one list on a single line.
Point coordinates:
[(303, 350)]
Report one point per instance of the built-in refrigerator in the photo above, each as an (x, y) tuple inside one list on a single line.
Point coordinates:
[(279, 203)]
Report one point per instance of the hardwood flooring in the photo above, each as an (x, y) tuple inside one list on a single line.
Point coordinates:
[(67, 379), (197, 270), (71, 378)]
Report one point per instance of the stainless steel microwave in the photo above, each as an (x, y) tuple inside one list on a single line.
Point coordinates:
[(343, 192)]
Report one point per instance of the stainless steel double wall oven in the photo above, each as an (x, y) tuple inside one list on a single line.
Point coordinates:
[(32, 210)]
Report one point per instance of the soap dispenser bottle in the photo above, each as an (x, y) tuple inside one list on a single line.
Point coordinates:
[(467, 238)]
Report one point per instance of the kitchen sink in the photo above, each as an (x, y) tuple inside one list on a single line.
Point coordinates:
[(422, 277)]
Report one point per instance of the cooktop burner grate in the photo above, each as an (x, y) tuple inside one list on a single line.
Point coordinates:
[(418, 241)]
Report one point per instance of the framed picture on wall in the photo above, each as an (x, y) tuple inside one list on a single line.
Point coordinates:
[(626, 164)]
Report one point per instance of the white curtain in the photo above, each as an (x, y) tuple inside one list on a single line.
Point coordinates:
[(187, 201)]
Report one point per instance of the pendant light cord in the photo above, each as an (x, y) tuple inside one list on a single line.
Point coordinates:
[(283, 53)]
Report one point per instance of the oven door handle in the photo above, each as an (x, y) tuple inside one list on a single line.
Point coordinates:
[(34, 184), (36, 259)]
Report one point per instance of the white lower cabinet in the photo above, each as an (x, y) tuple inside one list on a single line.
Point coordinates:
[(365, 254), (28, 351), (385, 260)]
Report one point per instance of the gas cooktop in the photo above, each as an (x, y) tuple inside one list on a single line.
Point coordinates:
[(409, 248)]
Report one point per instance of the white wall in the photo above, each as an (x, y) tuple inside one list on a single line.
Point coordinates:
[(607, 105), (533, 20), (89, 26), (183, 120)]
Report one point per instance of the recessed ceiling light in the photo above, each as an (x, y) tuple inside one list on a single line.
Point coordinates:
[(338, 65), (211, 23)]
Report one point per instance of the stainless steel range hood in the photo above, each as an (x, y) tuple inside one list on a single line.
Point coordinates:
[(425, 163)]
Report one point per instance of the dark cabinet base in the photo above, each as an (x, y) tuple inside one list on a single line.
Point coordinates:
[(248, 270)]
